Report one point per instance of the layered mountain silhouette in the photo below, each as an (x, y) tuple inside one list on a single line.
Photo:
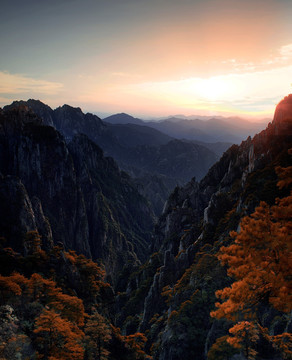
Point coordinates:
[(163, 281), (211, 130), (147, 154)]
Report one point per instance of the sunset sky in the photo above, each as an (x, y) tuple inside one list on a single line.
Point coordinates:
[(148, 57)]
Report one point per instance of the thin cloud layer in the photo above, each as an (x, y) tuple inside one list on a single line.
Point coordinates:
[(21, 84)]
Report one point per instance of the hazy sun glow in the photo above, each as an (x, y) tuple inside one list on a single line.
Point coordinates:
[(148, 57), (214, 88)]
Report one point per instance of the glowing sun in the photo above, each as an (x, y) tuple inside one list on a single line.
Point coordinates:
[(215, 88)]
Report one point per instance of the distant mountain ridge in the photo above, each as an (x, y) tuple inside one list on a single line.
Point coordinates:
[(123, 118), (211, 129), (132, 135)]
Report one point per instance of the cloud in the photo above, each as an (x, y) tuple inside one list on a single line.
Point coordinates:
[(286, 51), (125, 75), (281, 57), (11, 84)]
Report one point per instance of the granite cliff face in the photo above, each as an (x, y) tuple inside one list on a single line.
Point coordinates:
[(114, 207), (69, 193), (39, 157), (20, 214), (196, 221)]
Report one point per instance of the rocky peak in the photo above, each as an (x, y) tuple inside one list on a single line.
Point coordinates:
[(71, 121), (283, 116), (37, 107), (17, 116), (70, 108)]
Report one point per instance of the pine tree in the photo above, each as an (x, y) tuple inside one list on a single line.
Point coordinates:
[(260, 261), (57, 338), (98, 334)]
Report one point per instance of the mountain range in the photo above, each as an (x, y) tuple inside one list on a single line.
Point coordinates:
[(78, 236), (147, 154), (210, 130)]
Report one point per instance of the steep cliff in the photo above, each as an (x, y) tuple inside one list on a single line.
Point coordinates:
[(114, 207), (71, 194), (195, 223)]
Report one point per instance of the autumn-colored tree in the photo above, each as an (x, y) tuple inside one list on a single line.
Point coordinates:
[(98, 334), (246, 335), (128, 347), (11, 287), (57, 338), (41, 289), (8, 288), (46, 292), (92, 277), (57, 326), (221, 350), (71, 308), (260, 261), (135, 343)]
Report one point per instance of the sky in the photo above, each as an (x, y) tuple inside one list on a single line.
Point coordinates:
[(148, 57)]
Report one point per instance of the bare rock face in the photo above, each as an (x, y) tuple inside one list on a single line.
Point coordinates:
[(16, 212), (37, 154), (118, 216), (70, 194), (283, 114), (42, 224)]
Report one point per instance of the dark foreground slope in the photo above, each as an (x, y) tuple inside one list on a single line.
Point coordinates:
[(172, 294), (70, 193)]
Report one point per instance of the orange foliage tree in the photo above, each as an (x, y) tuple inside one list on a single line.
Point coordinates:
[(57, 338), (57, 326), (260, 261), (135, 343), (98, 334), (221, 350), (128, 347)]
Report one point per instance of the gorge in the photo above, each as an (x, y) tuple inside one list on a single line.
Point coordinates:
[(72, 215)]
